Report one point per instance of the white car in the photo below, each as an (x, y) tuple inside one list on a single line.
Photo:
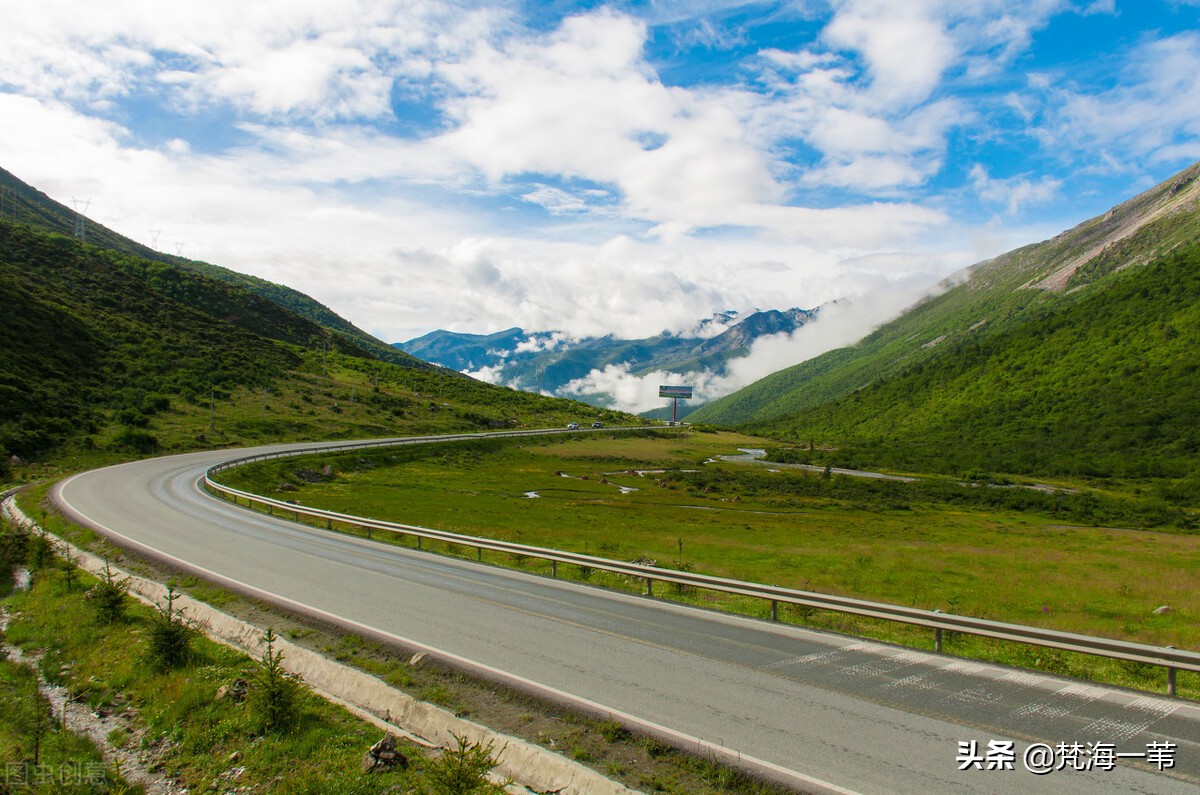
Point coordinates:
[(572, 426)]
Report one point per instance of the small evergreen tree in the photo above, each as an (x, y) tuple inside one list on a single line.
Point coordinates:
[(170, 636), (40, 552), (70, 569), (275, 694), (108, 597), (463, 770)]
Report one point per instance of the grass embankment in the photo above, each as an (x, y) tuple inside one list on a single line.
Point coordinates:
[(53, 613), (929, 544), (37, 754), (198, 739)]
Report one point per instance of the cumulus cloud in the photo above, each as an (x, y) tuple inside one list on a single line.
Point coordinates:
[(560, 178), (275, 57)]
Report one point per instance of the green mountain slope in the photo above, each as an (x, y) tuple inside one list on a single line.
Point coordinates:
[(1102, 383), (1000, 295), (22, 203), (103, 355), (82, 339)]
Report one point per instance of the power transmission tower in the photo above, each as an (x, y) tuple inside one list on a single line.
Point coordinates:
[(178, 249), (80, 218), (154, 233)]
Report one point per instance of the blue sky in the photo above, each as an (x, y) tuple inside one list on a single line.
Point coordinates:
[(619, 167)]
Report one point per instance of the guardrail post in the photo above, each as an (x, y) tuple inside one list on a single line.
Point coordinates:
[(554, 568), (774, 610), (418, 542), (479, 554), (937, 639), (1170, 681), (270, 508), (328, 524), (649, 587)]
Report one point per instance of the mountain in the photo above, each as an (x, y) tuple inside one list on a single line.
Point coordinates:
[(1076, 355), (105, 354), (545, 361), (23, 203), (466, 351)]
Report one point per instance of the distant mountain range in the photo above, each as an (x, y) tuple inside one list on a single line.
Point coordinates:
[(1079, 355), (547, 361)]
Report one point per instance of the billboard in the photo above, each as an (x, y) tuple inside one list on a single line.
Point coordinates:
[(679, 392)]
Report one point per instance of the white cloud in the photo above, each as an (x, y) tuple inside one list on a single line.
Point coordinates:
[(906, 48), (1154, 110), (272, 57), (1015, 192), (537, 343), (489, 375), (560, 181), (882, 296)]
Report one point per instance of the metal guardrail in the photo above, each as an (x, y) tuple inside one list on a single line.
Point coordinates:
[(1166, 656)]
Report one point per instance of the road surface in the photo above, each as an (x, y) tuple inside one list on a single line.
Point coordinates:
[(860, 716)]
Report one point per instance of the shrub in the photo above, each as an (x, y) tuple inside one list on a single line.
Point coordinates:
[(275, 694), (40, 551), (108, 597), (463, 770), (170, 636)]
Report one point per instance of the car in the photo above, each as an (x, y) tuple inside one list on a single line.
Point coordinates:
[(597, 424), (572, 426)]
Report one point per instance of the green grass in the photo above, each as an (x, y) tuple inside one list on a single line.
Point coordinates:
[(897, 543), (36, 754), (108, 667)]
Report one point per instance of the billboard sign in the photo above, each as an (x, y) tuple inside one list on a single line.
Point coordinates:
[(678, 392)]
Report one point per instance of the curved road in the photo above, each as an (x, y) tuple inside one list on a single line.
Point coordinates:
[(842, 713)]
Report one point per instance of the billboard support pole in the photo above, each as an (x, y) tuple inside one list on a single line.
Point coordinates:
[(675, 393)]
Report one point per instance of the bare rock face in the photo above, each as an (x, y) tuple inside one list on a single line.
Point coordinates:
[(384, 756)]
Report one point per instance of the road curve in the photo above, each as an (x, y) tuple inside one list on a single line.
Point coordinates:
[(842, 714)]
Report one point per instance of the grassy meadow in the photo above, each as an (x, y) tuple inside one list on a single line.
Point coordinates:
[(930, 544)]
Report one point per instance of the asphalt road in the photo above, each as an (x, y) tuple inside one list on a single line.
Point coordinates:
[(862, 716)]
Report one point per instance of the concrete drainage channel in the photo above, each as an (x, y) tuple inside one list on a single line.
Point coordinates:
[(535, 769)]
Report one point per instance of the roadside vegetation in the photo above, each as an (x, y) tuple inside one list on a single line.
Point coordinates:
[(172, 691), (1039, 554), (211, 718)]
